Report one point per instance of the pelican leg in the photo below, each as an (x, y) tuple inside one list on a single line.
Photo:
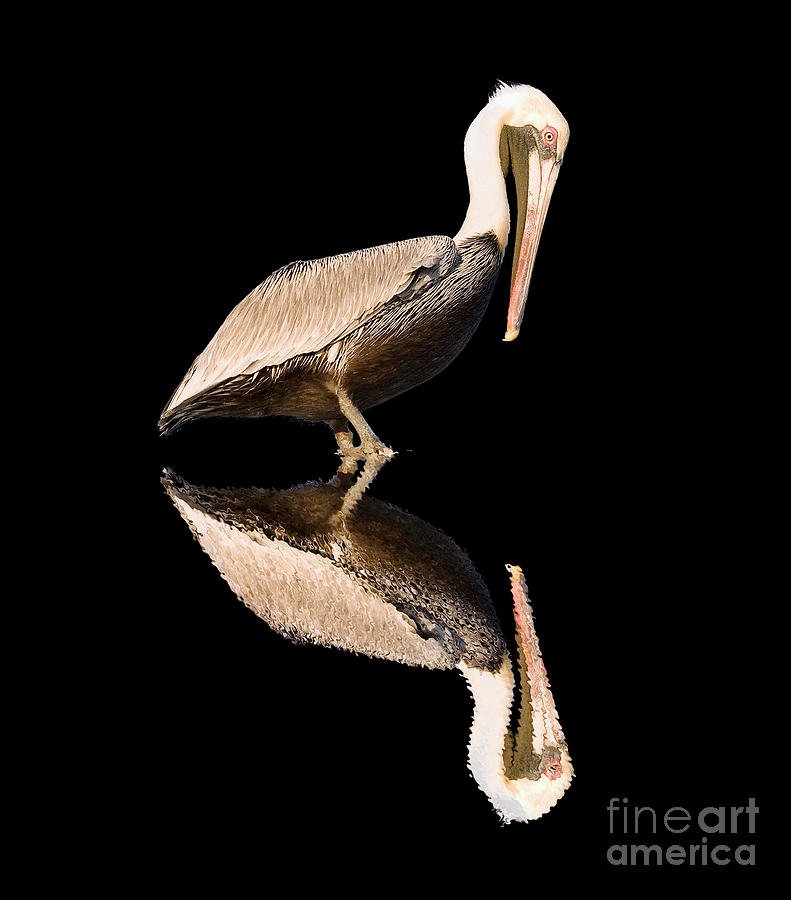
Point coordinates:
[(349, 454), (369, 442)]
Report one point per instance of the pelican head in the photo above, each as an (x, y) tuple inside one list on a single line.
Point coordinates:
[(526, 776), (533, 140), (531, 135)]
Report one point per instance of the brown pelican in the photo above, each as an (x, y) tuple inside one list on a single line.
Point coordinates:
[(386, 584), (326, 339)]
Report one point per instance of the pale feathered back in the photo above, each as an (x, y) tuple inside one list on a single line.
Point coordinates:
[(307, 306)]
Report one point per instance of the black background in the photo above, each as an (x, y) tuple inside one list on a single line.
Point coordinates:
[(603, 451)]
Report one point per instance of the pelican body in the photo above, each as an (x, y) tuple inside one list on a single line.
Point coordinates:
[(387, 584), (327, 339)]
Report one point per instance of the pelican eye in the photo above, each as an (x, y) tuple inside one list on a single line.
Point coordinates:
[(553, 769), (549, 136)]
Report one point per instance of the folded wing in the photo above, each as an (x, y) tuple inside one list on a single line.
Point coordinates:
[(307, 306)]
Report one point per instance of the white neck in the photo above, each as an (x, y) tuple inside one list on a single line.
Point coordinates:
[(521, 799), (488, 209)]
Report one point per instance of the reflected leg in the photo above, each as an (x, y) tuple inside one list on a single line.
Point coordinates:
[(371, 468)]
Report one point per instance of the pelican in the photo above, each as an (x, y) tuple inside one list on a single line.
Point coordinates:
[(326, 340), (386, 584)]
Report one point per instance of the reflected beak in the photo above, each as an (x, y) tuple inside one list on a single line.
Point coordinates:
[(535, 180), (535, 687)]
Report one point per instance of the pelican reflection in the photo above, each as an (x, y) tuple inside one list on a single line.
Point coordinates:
[(324, 564)]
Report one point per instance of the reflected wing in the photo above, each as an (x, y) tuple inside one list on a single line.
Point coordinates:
[(307, 306)]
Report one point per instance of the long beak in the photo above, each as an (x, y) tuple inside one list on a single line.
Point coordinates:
[(535, 179), (545, 726)]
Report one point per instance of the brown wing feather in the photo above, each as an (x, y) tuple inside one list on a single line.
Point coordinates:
[(307, 306)]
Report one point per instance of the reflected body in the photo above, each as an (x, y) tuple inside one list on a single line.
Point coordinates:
[(384, 583), (327, 339)]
